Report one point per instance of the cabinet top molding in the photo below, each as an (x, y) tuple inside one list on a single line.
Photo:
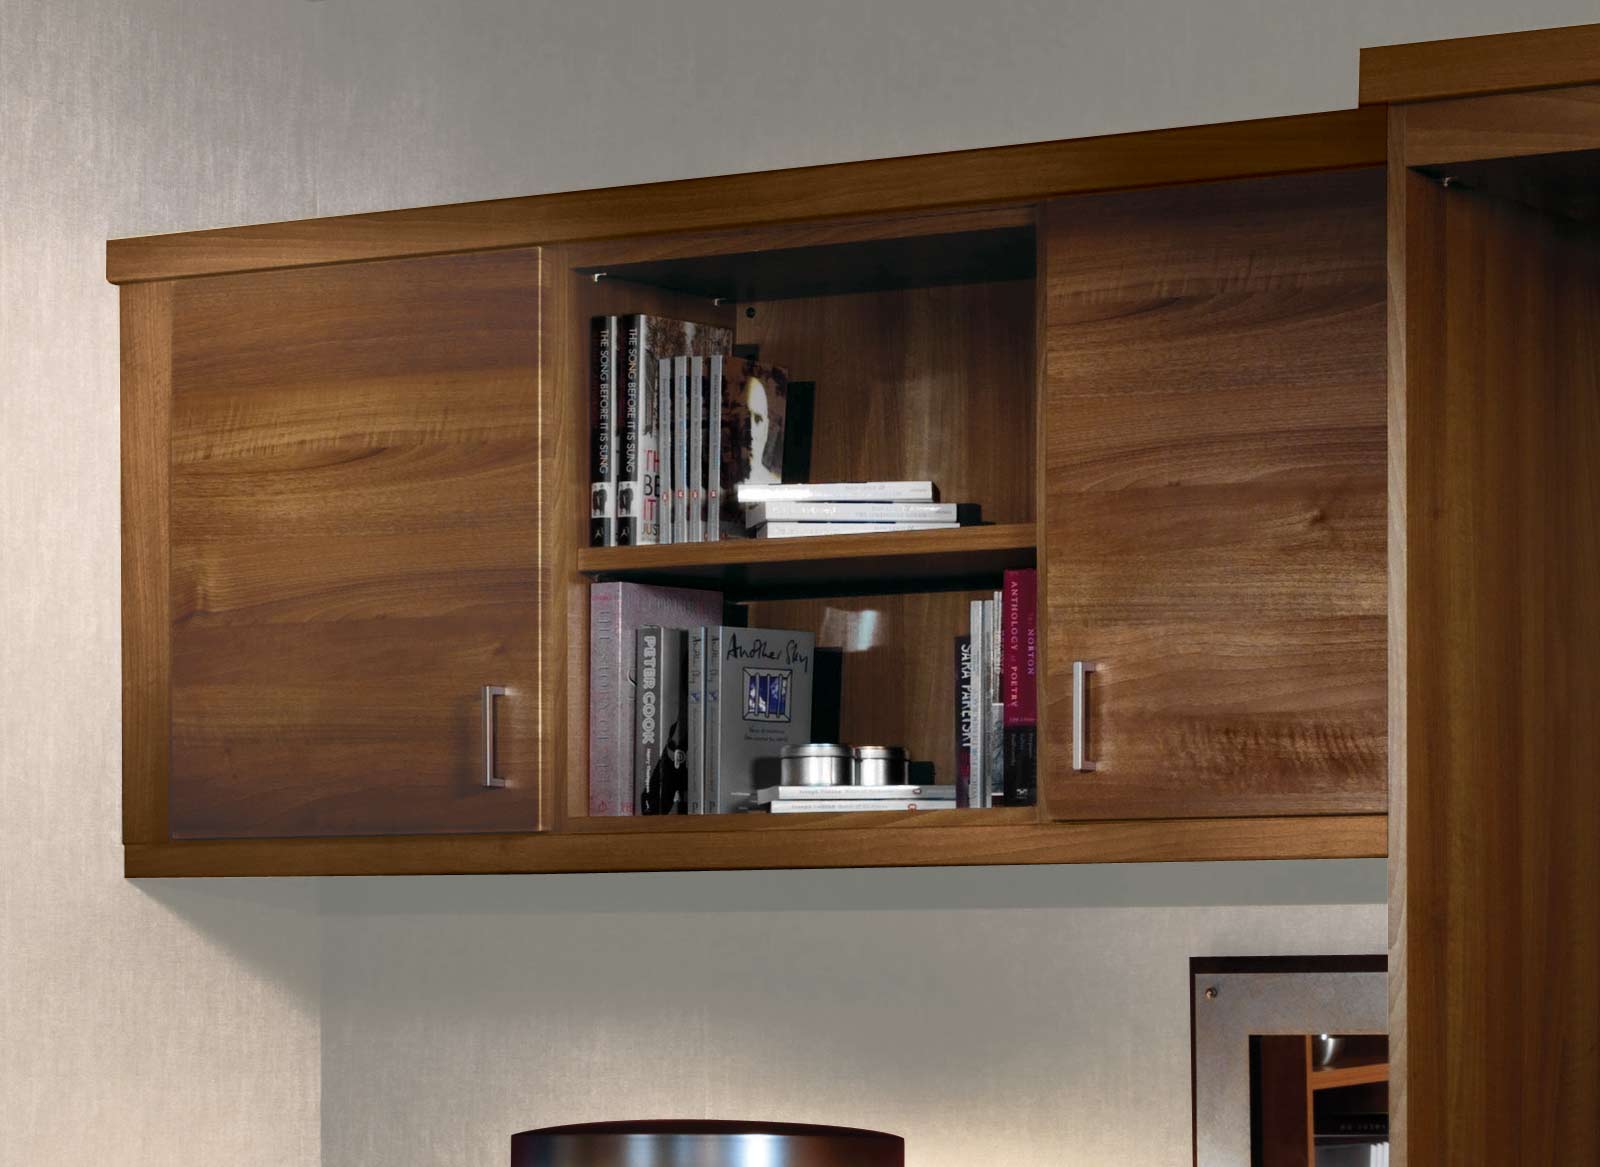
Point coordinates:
[(1284, 145), (1473, 65)]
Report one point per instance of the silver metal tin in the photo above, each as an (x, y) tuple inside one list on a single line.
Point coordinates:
[(880, 766), (815, 764), (705, 1144)]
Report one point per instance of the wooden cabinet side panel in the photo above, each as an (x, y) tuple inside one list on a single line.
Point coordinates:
[(1500, 924), (355, 544), (146, 641), (1214, 518)]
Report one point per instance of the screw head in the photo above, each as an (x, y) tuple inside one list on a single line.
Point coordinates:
[(1211, 993)]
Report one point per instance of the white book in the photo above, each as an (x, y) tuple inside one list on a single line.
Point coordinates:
[(669, 533), (802, 530), (713, 520), (994, 731), (771, 794), (697, 449), (754, 492), (850, 512), (978, 769), (846, 806), (681, 532)]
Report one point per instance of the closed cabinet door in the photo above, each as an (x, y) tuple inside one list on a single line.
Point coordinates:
[(1213, 516), (354, 549)]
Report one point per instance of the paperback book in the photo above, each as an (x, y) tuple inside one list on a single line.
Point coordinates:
[(964, 721), (800, 530), (850, 512), (661, 722), (754, 399), (753, 492), (1019, 685), (868, 794), (604, 431), (852, 806)]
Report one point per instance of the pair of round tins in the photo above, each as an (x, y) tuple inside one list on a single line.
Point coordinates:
[(705, 1143)]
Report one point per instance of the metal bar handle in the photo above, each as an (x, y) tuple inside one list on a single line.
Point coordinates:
[(1080, 715), (490, 778)]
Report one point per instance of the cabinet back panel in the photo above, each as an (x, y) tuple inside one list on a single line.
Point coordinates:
[(1214, 497), (920, 383), (355, 545)]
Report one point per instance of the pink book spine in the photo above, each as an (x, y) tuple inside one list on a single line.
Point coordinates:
[(607, 795), (1019, 647)]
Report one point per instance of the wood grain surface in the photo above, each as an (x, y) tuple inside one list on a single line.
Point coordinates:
[(1311, 142), (1546, 121), (355, 543), (1497, 927), (802, 845), (146, 560), (1214, 498), (1429, 70)]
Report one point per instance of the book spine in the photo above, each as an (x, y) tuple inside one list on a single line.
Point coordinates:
[(803, 530), (640, 519), (857, 805), (1019, 685), (994, 727), (672, 780), (663, 367), (876, 492), (680, 450), (697, 449), (713, 517), (610, 780), (963, 720), (713, 728), (603, 429), (697, 721), (647, 720), (977, 775), (850, 512)]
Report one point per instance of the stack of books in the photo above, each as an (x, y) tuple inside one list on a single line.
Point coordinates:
[(997, 703), (843, 799), (793, 510)]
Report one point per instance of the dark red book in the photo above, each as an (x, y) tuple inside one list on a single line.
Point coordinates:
[(1019, 684)]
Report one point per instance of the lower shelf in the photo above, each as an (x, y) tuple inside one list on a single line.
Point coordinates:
[(805, 845)]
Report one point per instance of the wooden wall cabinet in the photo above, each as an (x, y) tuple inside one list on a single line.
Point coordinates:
[(355, 494)]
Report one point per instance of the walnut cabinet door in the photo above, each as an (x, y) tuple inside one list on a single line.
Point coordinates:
[(354, 549), (1213, 513)]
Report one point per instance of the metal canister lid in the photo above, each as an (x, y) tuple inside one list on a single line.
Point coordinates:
[(883, 753), (816, 750)]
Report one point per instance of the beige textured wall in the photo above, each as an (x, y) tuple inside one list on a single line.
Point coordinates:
[(169, 1025)]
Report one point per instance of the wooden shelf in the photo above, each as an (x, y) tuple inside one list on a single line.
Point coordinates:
[(1355, 1074), (859, 564), (894, 843)]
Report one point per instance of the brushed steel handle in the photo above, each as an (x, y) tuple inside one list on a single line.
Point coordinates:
[(1080, 715), (490, 777)]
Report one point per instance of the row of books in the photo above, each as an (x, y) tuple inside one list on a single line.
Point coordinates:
[(688, 715), (997, 704), (676, 422), (714, 707), (845, 799)]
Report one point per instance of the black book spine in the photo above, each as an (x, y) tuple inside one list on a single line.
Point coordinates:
[(629, 497), (1021, 776), (603, 434)]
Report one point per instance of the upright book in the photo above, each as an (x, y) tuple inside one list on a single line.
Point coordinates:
[(1019, 685), (604, 432), (764, 680), (616, 612), (964, 721), (661, 722)]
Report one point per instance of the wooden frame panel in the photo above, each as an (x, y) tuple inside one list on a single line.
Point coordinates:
[(146, 560), (1481, 64), (1324, 141)]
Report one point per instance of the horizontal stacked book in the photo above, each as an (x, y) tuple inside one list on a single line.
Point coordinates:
[(844, 799), (997, 705), (794, 510), (675, 423)]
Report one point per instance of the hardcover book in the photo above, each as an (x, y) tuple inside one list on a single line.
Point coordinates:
[(713, 499), (850, 806), (604, 431), (754, 397), (697, 449), (753, 492), (681, 427), (850, 512), (978, 770), (661, 722), (616, 612), (769, 794), (1019, 684), (964, 726), (669, 432), (994, 728), (763, 703), (697, 720), (800, 530)]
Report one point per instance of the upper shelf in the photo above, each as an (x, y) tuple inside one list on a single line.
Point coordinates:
[(826, 564)]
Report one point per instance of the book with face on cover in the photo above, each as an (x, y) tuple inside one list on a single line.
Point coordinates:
[(661, 722), (762, 703), (754, 400)]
